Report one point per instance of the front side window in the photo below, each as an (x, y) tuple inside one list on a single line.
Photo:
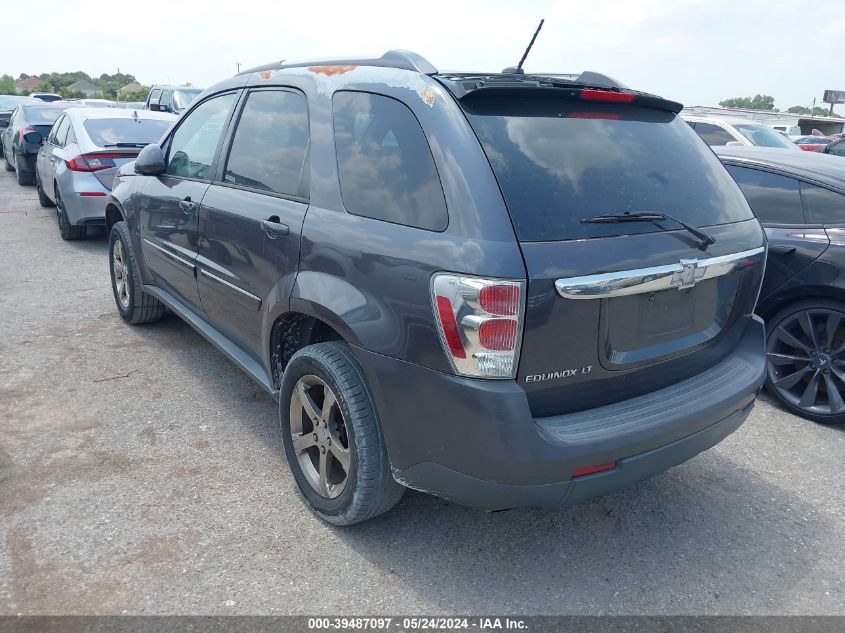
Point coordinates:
[(270, 143), (194, 143), (713, 135), (384, 162), (774, 199), (762, 136), (822, 206)]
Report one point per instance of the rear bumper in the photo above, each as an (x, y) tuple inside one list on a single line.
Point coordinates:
[(87, 210), (475, 441)]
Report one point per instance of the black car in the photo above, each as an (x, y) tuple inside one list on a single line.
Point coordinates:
[(8, 103), (837, 148), (21, 140), (800, 199), (174, 99), (504, 289)]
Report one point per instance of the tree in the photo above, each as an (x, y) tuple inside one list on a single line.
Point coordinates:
[(757, 102), (7, 85), (817, 111)]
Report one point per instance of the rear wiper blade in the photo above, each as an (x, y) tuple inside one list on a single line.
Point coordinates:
[(704, 240), (126, 145)]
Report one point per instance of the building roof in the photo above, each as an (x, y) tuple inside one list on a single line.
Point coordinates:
[(131, 87), (29, 82), (83, 85)]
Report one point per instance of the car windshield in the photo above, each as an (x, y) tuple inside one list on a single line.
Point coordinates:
[(763, 136), (40, 115), (183, 98), (558, 163), (111, 131)]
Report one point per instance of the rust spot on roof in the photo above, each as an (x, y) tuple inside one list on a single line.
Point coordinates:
[(265, 74), (331, 70)]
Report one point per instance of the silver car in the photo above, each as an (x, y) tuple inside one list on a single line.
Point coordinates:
[(77, 162)]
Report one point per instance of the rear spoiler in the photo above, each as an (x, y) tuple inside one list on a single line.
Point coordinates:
[(471, 89)]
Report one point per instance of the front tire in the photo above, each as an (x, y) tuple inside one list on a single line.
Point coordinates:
[(805, 369), (134, 305), (68, 231), (43, 200), (332, 437)]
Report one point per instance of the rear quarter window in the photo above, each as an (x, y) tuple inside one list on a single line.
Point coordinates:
[(384, 162), (775, 199), (822, 206)]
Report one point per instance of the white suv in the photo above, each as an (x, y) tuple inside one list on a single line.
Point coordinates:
[(737, 132)]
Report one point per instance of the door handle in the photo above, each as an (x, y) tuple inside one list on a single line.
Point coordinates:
[(782, 250), (187, 206), (273, 228)]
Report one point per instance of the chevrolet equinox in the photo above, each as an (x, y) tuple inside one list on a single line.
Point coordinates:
[(504, 289)]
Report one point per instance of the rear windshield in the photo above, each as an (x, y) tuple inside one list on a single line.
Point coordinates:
[(105, 132), (764, 136), (558, 162), (40, 115)]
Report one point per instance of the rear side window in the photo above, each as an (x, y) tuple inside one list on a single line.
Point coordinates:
[(822, 206), (109, 132), (713, 135), (270, 143), (385, 165), (774, 199), (60, 138), (559, 162)]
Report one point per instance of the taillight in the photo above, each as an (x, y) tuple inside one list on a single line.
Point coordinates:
[(480, 323), (608, 96), (93, 162), (24, 131)]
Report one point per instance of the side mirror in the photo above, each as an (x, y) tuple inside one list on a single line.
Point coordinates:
[(150, 161)]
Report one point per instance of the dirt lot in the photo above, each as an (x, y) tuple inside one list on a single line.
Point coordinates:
[(140, 472)]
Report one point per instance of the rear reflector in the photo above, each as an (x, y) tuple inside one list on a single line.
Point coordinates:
[(608, 96), (589, 470), (91, 194), (450, 327)]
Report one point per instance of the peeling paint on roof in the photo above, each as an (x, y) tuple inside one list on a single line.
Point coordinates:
[(331, 70)]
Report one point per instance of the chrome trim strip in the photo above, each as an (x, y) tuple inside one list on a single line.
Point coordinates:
[(684, 274), (173, 256), (220, 280)]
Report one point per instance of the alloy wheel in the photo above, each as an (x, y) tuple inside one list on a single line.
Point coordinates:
[(806, 360), (121, 273), (320, 438)]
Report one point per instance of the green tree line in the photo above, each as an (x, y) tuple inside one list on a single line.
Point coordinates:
[(108, 85), (767, 102)]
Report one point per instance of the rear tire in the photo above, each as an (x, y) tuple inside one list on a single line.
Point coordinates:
[(805, 367), (133, 304), (6, 164), (68, 231), (356, 483), (24, 180), (43, 200)]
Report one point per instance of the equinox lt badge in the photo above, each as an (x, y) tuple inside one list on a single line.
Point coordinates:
[(556, 375)]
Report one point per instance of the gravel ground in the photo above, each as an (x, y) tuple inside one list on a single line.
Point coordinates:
[(140, 472)]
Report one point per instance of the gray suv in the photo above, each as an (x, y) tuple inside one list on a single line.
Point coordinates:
[(504, 289)]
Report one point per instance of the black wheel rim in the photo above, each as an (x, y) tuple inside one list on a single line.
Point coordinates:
[(806, 360)]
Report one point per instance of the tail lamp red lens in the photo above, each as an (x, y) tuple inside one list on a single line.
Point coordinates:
[(24, 131), (591, 470), (94, 162), (480, 323), (607, 96)]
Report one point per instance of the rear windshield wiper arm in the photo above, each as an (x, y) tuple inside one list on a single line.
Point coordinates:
[(704, 240)]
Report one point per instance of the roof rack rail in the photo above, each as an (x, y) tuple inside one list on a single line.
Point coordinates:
[(405, 60)]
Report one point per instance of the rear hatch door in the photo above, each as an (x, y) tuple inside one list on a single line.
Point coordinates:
[(617, 309)]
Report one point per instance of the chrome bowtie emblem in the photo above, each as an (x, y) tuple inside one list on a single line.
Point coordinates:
[(689, 274)]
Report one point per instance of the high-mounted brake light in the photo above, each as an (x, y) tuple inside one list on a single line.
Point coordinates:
[(480, 323), (608, 96)]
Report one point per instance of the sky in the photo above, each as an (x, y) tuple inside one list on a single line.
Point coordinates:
[(698, 52)]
